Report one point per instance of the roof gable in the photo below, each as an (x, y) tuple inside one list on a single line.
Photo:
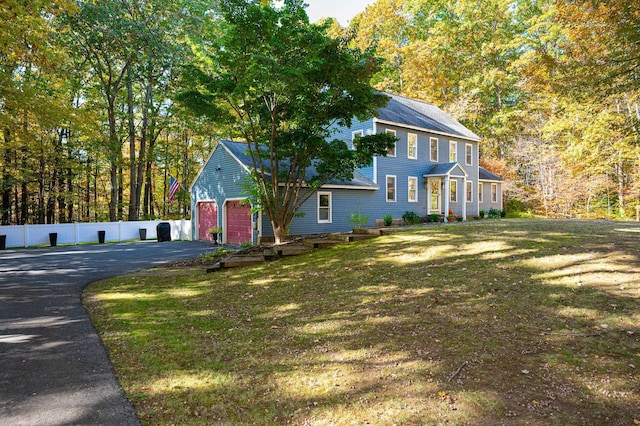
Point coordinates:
[(445, 169), (484, 174), (424, 115)]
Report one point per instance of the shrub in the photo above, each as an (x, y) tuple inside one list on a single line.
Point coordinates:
[(434, 217), (493, 214), (411, 218), (481, 213), (387, 219), (358, 220)]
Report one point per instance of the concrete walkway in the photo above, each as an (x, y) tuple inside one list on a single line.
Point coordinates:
[(54, 369)]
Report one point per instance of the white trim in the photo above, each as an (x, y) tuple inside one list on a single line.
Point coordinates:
[(335, 186), (415, 156), (422, 129), (431, 138), (375, 158), (354, 134), (330, 207), (467, 146), (395, 146), (415, 190), (395, 188)]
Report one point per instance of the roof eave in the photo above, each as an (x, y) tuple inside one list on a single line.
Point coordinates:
[(423, 129)]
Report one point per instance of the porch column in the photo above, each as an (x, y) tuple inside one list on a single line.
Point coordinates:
[(464, 198), (446, 195)]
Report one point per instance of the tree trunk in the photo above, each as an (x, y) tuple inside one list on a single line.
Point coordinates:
[(5, 208), (133, 205), (279, 233), (113, 148)]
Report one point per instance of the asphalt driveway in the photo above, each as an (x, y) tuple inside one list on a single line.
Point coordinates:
[(53, 367)]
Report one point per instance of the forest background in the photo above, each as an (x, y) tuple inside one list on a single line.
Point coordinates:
[(89, 129)]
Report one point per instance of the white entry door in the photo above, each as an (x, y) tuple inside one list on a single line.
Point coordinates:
[(434, 195)]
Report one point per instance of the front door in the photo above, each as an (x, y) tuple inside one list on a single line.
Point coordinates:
[(435, 195)]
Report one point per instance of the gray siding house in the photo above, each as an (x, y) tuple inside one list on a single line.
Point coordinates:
[(432, 170)]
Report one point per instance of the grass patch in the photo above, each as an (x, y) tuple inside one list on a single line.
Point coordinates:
[(491, 322)]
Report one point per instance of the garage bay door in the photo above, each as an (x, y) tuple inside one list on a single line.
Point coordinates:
[(238, 223), (207, 218)]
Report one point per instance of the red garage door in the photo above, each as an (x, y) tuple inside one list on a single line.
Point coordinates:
[(207, 218), (238, 223)]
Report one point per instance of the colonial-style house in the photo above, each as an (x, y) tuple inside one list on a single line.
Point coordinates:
[(432, 170)]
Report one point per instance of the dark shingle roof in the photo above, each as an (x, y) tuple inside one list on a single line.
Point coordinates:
[(424, 115), (439, 169), (239, 150), (484, 174)]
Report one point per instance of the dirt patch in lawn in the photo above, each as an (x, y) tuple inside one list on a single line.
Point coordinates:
[(497, 322)]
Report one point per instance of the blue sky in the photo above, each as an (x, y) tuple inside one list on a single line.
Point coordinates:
[(342, 10)]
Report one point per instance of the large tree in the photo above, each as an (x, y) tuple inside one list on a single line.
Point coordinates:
[(281, 83)]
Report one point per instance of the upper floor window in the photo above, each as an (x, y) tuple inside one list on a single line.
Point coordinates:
[(391, 189), (494, 192), (413, 189), (433, 149), (468, 154), (480, 190), (355, 135), (412, 146), (324, 207), (453, 152), (392, 151), (469, 192)]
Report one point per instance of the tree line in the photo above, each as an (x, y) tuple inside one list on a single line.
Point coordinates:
[(90, 128)]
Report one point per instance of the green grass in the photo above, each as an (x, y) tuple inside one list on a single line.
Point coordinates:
[(540, 320)]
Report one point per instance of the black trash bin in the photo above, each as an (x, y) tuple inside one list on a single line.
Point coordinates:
[(163, 231), (53, 239), (143, 234), (3, 242), (101, 235)]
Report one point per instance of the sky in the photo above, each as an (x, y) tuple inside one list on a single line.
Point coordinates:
[(342, 10)]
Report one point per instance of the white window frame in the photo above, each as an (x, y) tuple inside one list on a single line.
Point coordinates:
[(453, 151), (453, 191), (433, 142), (468, 154), (480, 192), (494, 192), (329, 207), (391, 153), (469, 191), (356, 134), (415, 189), (395, 188), (413, 136)]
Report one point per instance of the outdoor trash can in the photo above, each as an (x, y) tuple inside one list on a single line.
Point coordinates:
[(143, 234), (3, 242), (53, 239), (164, 231), (101, 235)]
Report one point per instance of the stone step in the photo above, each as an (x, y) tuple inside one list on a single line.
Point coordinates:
[(238, 261), (351, 237)]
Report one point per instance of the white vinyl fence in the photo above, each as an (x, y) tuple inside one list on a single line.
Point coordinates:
[(78, 233)]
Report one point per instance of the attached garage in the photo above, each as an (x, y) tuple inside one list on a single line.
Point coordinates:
[(207, 218), (237, 229)]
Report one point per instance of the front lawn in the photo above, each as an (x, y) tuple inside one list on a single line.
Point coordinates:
[(509, 322)]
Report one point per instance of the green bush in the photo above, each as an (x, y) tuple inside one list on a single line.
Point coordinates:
[(411, 218), (387, 219), (482, 213), (494, 214), (434, 217), (358, 220)]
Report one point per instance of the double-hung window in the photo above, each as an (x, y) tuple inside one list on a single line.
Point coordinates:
[(324, 207), (392, 151), (433, 150), (412, 146), (468, 154), (355, 135), (453, 152), (469, 192), (454, 191), (413, 189), (391, 189), (480, 190), (494, 192)]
